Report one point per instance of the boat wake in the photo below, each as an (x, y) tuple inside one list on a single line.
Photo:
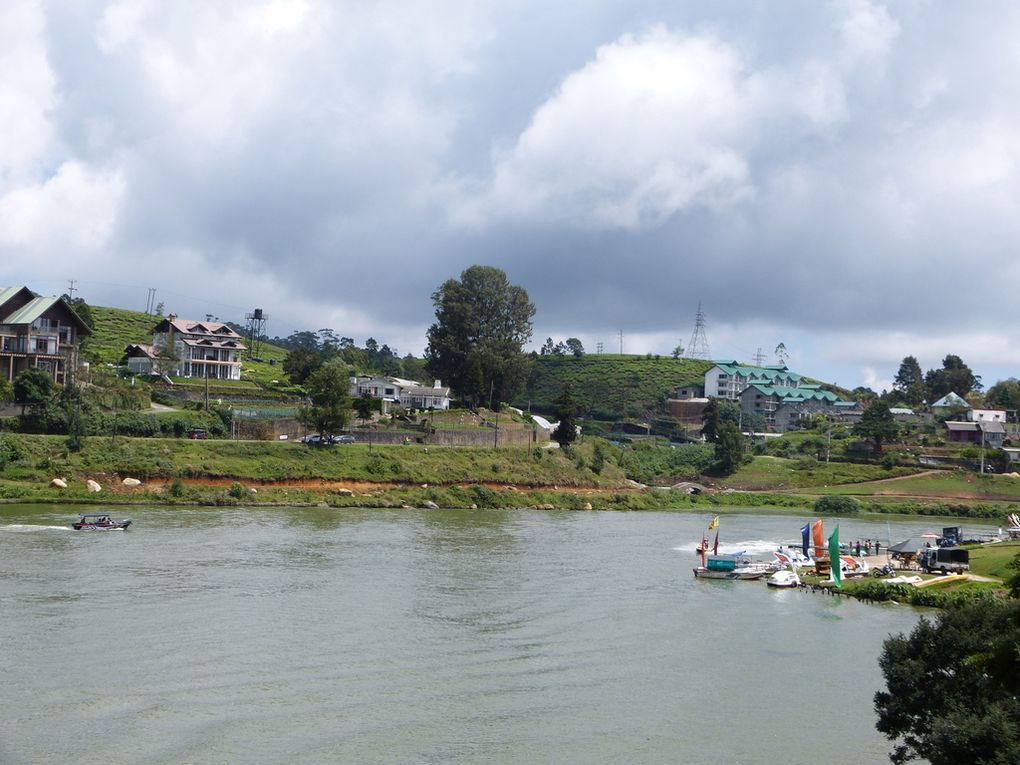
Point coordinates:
[(27, 527), (750, 547)]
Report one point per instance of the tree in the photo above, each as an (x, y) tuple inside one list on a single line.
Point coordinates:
[(877, 423), (952, 687), (364, 405), (32, 387), (909, 381), (300, 363), (480, 317), (548, 347), (329, 410), (164, 360), (954, 377), (677, 352), (1005, 394), (574, 346), (6, 392), (566, 409), (716, 412), (729, 447)]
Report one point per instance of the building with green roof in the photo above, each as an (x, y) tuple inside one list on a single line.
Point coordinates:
[(38, 332)]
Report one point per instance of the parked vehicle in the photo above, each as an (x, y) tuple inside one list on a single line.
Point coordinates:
[(885, 570), (344, 439), (198, 434), (944, 560)]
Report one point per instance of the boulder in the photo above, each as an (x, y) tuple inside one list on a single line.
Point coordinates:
[(94, 487), (474, 506), (59, 483), (428, 504), (587, 505), (131, 482), (253, 491), (345, 492)]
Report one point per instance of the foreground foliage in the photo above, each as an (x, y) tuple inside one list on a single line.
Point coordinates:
[(952, 687)]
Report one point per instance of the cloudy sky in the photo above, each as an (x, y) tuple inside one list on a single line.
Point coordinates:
[(841, 177)]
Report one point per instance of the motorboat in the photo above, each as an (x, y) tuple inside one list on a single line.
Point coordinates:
[(99, 522), (785, 578), (730, 567)]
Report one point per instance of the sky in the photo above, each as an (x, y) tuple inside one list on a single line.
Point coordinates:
[(839, 177)]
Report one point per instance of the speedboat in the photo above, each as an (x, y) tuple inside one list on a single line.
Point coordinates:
[(785, 578), (99, 522)]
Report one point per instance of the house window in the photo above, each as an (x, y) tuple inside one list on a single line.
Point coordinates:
[(389, 391)]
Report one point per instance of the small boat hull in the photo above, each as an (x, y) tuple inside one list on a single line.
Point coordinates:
[(703, 573), (783, 579), (108, 526)]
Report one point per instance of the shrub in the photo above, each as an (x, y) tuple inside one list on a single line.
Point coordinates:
[(177, 488), (236, 490), (836, 504)]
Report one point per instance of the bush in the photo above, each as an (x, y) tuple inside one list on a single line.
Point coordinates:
[(837, 504), (237, 491)]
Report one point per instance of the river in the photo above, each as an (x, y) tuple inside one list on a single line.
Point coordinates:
[(232, 635)]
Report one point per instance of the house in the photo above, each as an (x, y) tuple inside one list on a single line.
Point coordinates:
[(950, 401), (987, 415), (987, 432), (693, 391), (408, 393), (140, 358), (39, 332), (728, 379), (784, 408), (202, 349)]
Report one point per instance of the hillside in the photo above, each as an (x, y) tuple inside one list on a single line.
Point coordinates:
[(609, 386), (117, 327)]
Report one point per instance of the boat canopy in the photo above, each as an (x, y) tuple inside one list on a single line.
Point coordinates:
[(93, 515)]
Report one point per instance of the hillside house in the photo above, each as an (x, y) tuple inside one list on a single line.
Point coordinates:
[(728, 379), (785, 408), (39, 332), (408, 393), (989, 432), (201, 348), (949, 401)]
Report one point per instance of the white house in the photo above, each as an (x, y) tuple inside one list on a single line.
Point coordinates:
[(728, 379), (987, 415), (203, 348), (408, 393)]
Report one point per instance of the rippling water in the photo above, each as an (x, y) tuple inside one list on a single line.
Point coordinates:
[(371, 636)]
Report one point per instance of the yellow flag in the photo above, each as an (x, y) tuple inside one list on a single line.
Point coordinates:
[(714, 523)]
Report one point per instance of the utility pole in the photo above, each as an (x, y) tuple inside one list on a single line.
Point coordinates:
[(621, 342), (598, 348), (982, 448), (206, 365), (70, 288)]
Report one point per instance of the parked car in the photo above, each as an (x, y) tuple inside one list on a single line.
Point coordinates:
[(312, 438), (198, 434), (344, 439)]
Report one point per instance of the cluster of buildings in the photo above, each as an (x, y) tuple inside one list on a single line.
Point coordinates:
[(781, 398), (187, 348), (408, 393)]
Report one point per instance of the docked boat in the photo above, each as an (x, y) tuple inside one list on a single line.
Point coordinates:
[(99, 522), (785, 578), (730, 567)]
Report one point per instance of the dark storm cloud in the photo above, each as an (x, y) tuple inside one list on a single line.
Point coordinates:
[(826, 172)]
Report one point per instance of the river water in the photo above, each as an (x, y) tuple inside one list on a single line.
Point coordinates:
[(231, 635)]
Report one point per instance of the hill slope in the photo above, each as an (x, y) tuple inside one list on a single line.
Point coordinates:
[(117, 327), (609, 386)]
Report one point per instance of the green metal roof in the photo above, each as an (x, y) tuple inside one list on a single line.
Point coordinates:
[(31, 311), (761, 373), (6, 293), (795, 395)]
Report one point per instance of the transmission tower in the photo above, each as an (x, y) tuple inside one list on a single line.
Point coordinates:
[(759, 357), (697, 348), (256, 329)]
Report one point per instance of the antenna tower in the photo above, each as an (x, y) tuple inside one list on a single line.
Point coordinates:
[(256, 329), (697, 348)]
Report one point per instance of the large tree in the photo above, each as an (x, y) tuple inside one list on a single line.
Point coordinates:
[(877, 423), (729, 447), (954, 377), (566, 409), (953, 687), (909, 382), (329, 408), (476, 345), (1005, 394)]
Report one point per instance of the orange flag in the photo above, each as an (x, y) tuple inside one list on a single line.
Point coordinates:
[(818, 536)]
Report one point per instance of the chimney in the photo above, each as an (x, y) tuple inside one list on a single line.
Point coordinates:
[(438, 384), (172, 317)]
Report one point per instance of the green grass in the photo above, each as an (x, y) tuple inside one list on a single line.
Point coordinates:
[(778, 473), (941, 485), (993, 560), (609, 386)]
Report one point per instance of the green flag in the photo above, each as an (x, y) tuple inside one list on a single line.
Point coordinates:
[(837, 575)]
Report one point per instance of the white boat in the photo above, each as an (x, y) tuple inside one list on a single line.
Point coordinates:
[(785, 578), (793, 557), (730, 567)]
